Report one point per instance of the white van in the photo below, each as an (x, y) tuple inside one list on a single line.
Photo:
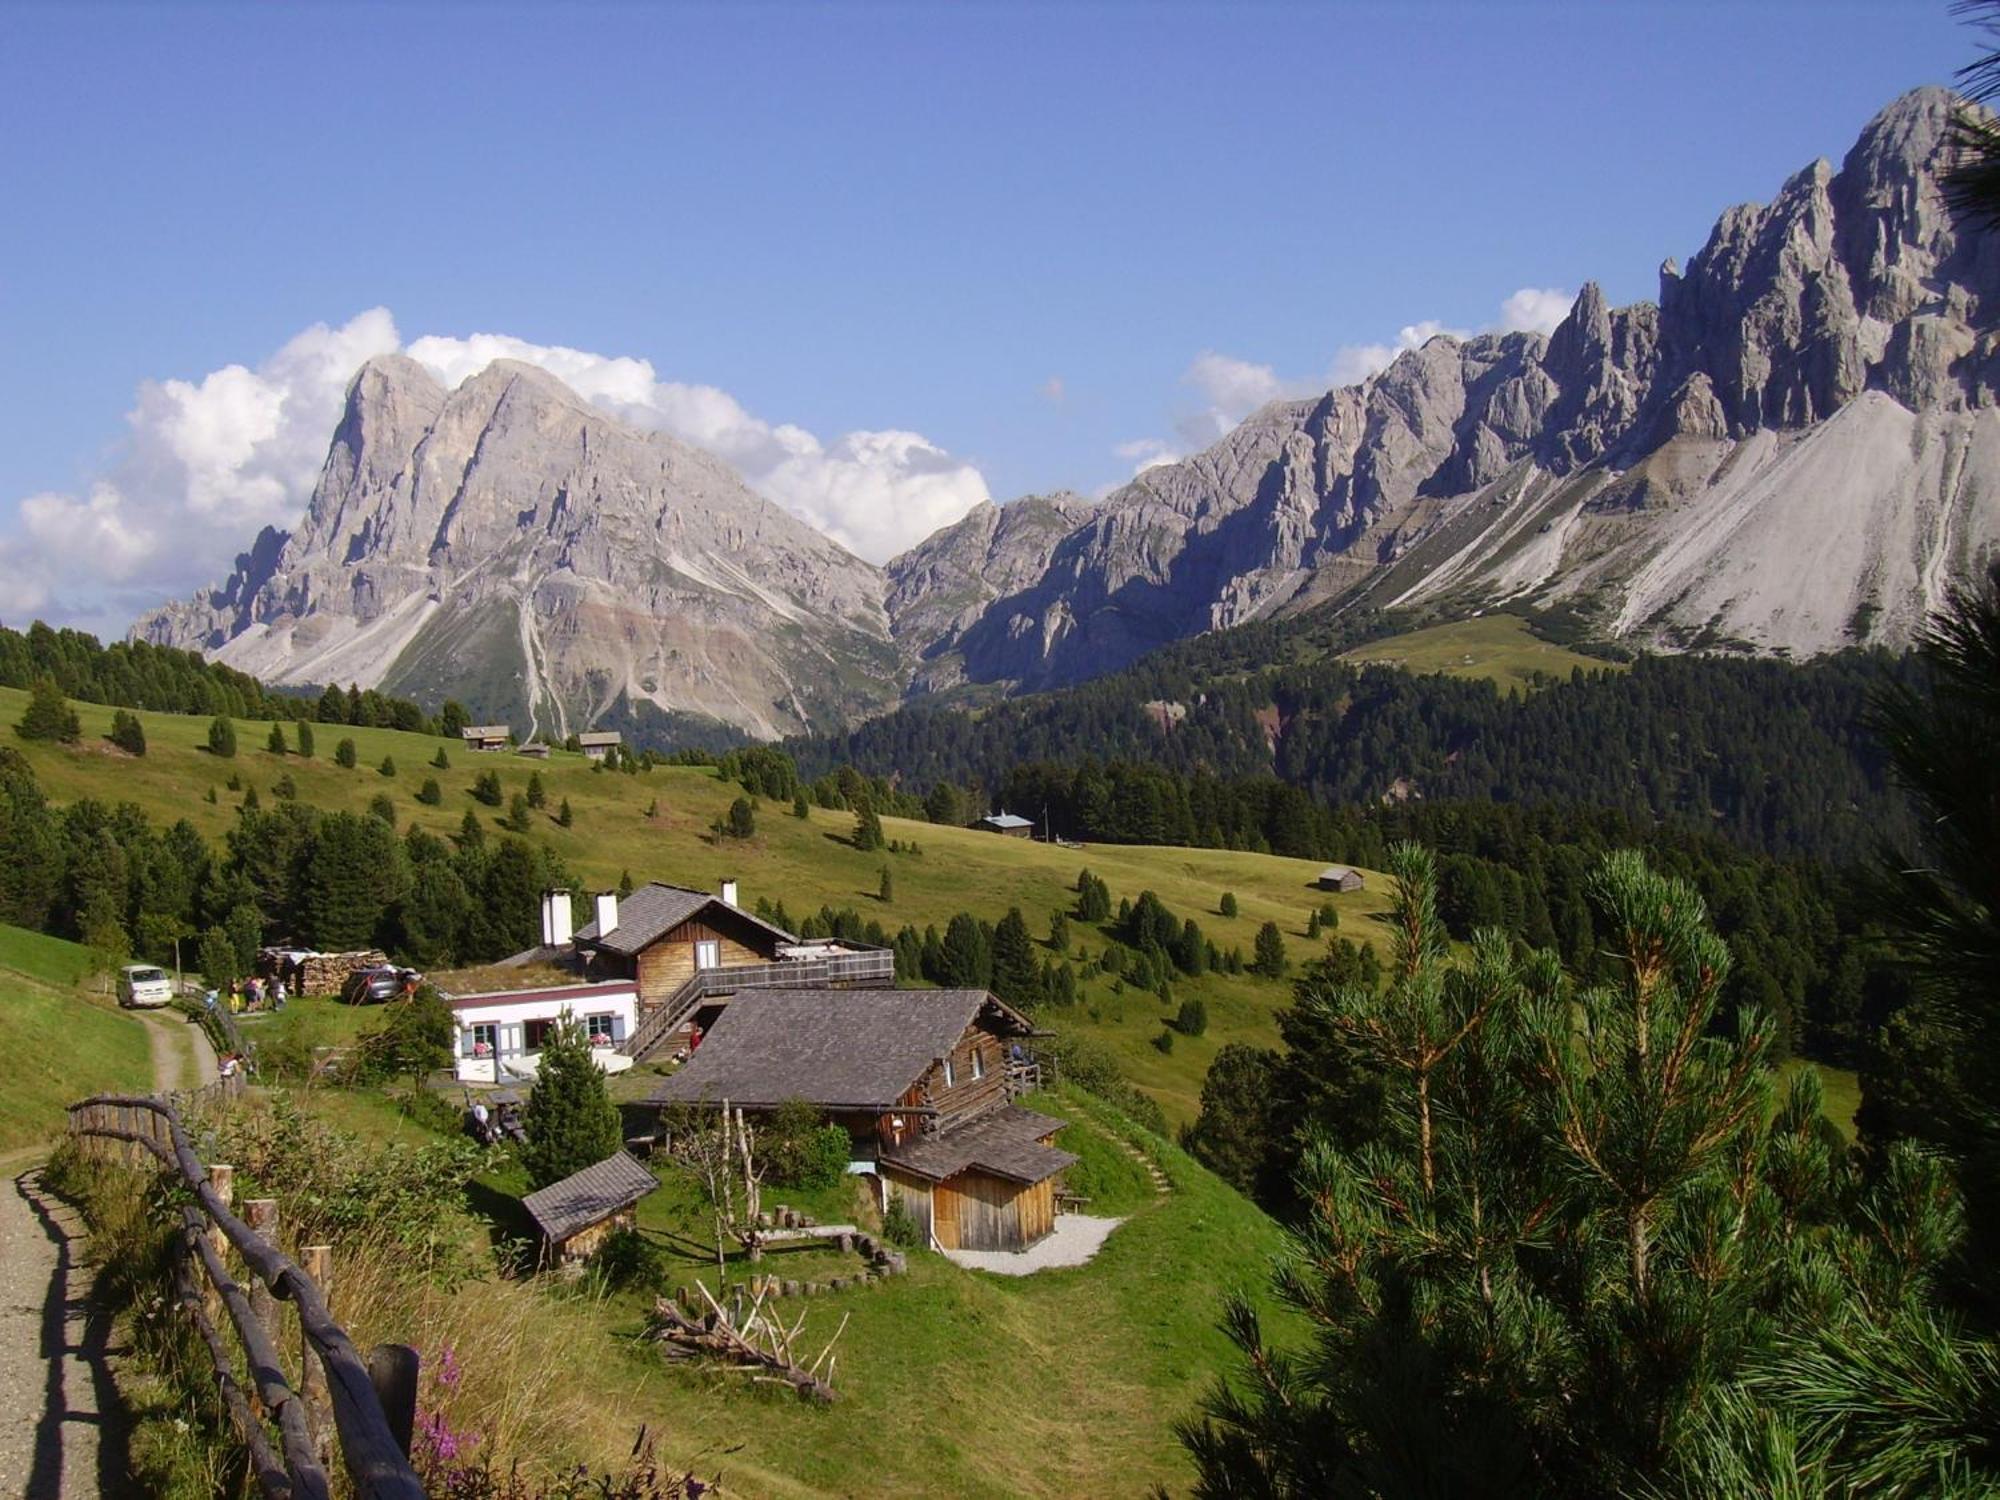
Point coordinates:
[(144, 985)]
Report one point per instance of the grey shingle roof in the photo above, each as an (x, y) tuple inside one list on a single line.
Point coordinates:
[(654, 909), (589, 1197), (839, 1049), (1006, 1143), (1006, 820)]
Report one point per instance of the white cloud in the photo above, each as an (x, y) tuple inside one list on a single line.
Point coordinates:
[(1233, 388), (206, 463), (1535, 310)]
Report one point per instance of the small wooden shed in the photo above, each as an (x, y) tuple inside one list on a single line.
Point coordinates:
[(1340, 878), (600, 742), (1010, 825), (579, 1213), (989, 1185), (485, 736)]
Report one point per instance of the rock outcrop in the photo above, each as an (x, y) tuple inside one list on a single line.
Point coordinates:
[(1794, 449), (511, 545)]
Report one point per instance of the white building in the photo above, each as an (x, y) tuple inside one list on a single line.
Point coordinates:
[(501, 1032)]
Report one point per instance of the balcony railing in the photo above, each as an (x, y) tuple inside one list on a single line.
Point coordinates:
[(869, 966)]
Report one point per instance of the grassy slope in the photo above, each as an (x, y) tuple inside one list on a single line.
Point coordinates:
[(953, 1382), (62, 1042), (1499, 647), (801, 863)]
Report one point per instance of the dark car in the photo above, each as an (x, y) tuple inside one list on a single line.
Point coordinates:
[(373, 986)]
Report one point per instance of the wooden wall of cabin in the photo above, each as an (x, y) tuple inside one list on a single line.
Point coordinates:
[(669, 962), (968, 1095), (973, 1211)]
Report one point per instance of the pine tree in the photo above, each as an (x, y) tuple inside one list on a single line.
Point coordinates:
[(1059, 932), (885, 892), (570, 1119), (388, 766), (471, 833), (564, 816), (275, 741), (1227, 905), (799, 808), (537, 796), (430, 793), (626, 885), (519, 818), (1312, 927), (965, 958), (48, 715), (868, 829), (1270, 960), (127, 733), (305, 739), (217, 958), (383, 806), (1016, 973), (345, 755), (441, 761), (222, 738)]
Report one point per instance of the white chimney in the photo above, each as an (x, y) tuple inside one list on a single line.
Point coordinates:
[(728, 893), (548, 919), (561, 932), (607, 913)]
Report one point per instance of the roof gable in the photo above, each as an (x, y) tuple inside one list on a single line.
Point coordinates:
[(655, 909), (839, 1049), (589, 1197)]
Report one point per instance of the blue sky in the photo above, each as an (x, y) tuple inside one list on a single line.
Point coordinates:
[(1013, 230)]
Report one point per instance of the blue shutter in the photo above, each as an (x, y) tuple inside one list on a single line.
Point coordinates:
[(617, 1026)]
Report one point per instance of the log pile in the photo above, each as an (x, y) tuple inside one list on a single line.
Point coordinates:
[(325, 973), (753, 1341)]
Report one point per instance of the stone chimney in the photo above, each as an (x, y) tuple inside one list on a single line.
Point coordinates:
[(607, 913), (729, 892), (557, 931)]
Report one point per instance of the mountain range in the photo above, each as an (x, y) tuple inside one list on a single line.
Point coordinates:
[(1794, 449)]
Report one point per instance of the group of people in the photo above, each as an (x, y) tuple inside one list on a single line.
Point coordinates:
[(254, 993)]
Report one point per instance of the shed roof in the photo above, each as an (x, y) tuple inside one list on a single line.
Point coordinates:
[(1337, 872), (589, 1197), (1006, 1143), (655, 909), (485, 732), (601, 737), (839, 1049), (1006, 820)]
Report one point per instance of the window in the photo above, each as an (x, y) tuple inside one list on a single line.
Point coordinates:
[(708, 954), (538, 1033), (600, 1028), (949, 1080), (482, 1040), (978, 1064)]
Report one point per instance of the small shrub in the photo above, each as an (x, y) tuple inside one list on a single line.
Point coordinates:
[(1164, 1042), (1192, 1019), (563, 815), (537, 794), (284, 788), (48, 716), (388, 766), (900, 1226), (345, 756), (1227, 905), (486, 788), (430, 793), (222, 738), (127, 733), (275, 741), (305, 739), (519, 817), (383, 806), (441, 760)]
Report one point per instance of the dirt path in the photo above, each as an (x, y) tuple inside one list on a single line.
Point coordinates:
[(62, 1429)]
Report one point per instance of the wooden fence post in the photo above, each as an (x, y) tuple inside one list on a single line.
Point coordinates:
[(392, 1370), (261, 1214), (317, 1262), (221, 1177)]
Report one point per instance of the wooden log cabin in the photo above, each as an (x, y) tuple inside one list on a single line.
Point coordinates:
[(919, 1080), (661, 934), (579, 1213)]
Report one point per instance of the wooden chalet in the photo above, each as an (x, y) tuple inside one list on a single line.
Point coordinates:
[(600, 743), (660, 935), (919, 1080), (485, 736), (1008, 825), (579, 1213), (1340, 878)]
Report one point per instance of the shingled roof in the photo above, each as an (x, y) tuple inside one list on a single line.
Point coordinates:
[(569, 1207), (1006, 1143), (654, 910), (839, 1049)]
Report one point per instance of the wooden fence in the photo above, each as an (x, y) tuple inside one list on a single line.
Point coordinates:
[(366, 1406)]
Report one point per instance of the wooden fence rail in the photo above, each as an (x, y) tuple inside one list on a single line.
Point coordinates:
[(132, 1127)]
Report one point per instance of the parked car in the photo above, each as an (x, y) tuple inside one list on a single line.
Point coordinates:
[(144, 987), (373, 986)]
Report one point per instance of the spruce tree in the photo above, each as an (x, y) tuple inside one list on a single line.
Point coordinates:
[(127, 733), (799, 808), (441, 761), (868, 829), (1016, 973), (388, 766), (345, 755), (519, 818), (48, 715), (222, 738), (1270, 960), (275, 741), (305, 739), (570, 1119), (1227, 905), (537, 795), (563, 815), (965, 960), (885, 891), (430, 793)]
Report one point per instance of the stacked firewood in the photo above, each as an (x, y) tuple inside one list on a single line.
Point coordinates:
[(325, 973)]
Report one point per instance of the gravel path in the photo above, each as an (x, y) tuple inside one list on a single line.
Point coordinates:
[(1074, 1240), (62, 1429)]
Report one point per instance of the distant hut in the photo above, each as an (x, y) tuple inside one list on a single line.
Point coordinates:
[(600, 742), (486, 736), (1340, 878), (1008, 824), (578, 1214)]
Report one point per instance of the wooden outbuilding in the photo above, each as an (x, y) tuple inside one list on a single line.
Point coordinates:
[(600, 743), (660, 934), (1340, 878), (486, 736), (919, 1080), (579, 1213), (1009, 825)]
